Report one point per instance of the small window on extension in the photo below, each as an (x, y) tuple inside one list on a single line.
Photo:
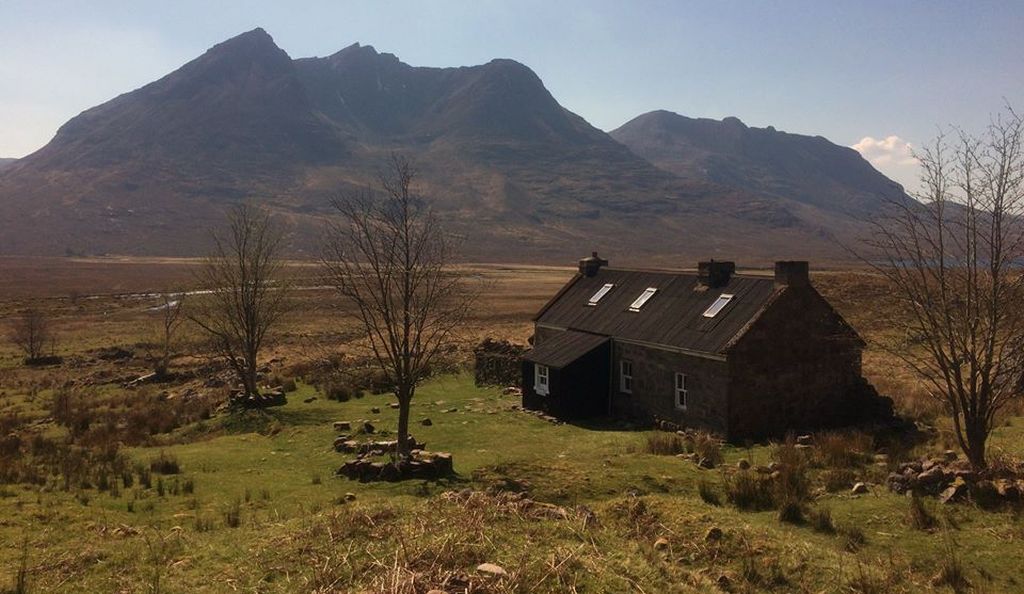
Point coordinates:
[(600, 293), (718, 305), (643, 298)]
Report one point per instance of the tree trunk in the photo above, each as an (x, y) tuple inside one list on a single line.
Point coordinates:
[(250, 382), (977, 435), (404, 404)]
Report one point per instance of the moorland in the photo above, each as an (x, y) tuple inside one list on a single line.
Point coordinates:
[(159, 488)]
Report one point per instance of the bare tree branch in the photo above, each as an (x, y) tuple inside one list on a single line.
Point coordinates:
[(171, 310), (954, 262), (388, 256), (245, 294), (33, 334)]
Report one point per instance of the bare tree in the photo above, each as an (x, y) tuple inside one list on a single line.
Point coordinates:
[(954, 264), (33, 334), (171, 309), (389, 258), (245, 294)]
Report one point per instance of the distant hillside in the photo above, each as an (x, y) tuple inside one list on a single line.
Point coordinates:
[(520, 177), (6, 162), (808, 169)]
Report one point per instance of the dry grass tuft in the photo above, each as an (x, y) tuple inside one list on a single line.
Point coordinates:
[(665, 444)]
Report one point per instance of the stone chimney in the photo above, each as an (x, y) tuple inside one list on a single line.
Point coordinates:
[(715, 274), (792, 273), (590, 266)]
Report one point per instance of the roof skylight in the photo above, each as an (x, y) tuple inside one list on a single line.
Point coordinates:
[(718, 305), (643, 298), (600, 293)]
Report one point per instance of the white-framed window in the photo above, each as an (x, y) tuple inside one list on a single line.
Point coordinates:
[(626, 377), (600, 293), (643, 298), (681, 391), (718, 305), (541, 375)]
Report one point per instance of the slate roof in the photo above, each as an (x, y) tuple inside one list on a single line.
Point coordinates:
[(672, 317), (564, 348)]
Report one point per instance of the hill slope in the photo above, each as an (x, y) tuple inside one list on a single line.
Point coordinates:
[(808, 169), (518, 175)]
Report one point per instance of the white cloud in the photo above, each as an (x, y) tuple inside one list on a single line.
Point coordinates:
[(891, 155), (889, 150)]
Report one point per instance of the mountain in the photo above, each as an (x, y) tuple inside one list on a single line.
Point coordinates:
[(807, 169), (6, 162), (517, 175)]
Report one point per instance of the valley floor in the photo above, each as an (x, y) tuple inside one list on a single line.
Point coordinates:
[(249, 502)]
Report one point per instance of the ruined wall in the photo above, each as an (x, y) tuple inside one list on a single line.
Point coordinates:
[(653, 396), (497, 363), (797, 368)]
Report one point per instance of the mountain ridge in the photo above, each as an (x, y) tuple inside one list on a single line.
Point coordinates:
[(516, 174)]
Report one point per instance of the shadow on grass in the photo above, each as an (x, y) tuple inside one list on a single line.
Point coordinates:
[(607, 424)]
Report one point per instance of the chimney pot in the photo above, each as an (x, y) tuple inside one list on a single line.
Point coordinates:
[(715, 274), (589, 266), (792, 273)]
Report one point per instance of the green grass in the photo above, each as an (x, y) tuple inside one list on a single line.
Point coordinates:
[(296, 534)]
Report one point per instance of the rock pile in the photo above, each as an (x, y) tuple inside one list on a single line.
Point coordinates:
[(421, 465), (345, 443), (273, 398), (543, 415), (952, 479), (498, 363)]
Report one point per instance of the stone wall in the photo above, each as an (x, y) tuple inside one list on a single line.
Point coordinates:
[(497, 363), (653, 395), (797, 368)]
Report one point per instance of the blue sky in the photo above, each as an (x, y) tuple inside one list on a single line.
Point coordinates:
[(889, 72)]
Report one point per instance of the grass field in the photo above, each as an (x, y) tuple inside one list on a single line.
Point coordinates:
[(255, 505)]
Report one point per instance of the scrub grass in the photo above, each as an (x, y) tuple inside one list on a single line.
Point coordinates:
[(250, 503), (293, 534)]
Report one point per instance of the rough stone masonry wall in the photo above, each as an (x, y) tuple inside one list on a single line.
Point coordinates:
[(653, 396), (797, 368), (498, 363)]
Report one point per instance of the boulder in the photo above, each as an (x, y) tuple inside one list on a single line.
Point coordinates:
[(743, 464), (900, 483), (375, 410), (390, 473), (492, 570), (426, 422), (368, 427), (859, 489), (956, 491), (394, 405), (714, 534), (343, 444), (803, 440), (342, 426), (1008, 490), (933, 479)]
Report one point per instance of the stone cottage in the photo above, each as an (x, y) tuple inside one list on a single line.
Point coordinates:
[(745, 356)]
